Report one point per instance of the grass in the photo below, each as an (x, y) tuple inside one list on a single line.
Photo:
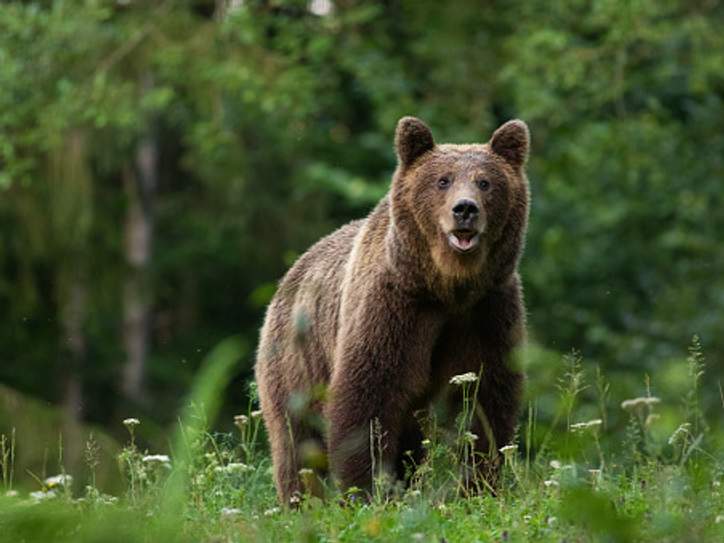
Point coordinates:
[(643, 469)]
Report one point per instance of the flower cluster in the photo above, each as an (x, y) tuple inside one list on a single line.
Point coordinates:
[(160, 460), (469, 377), (62, 480), (581, 427), (637, 403), (230, 512), (271, 512), (233, 467)]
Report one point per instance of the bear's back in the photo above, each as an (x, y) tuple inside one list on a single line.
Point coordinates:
[(302, 318)]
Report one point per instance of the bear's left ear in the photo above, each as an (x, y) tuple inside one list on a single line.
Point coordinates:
[(412, 139), (512, 142)]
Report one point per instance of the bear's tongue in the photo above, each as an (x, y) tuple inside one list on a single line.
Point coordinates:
[(463, 240)]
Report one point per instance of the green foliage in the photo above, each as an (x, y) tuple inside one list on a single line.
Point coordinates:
[(274, 125), (218, 486)]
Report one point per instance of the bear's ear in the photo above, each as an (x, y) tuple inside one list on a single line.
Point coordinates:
[(512, 142), (412, 139)]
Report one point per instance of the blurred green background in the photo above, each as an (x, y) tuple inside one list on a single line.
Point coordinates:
[(163, 163)]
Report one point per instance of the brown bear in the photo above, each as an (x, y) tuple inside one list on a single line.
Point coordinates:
[(371, 323)]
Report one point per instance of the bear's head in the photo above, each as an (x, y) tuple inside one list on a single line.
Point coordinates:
[(466, 206)]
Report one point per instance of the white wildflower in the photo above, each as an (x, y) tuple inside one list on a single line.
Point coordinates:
[(39, 495), (230, 511), (130, 423), (271, 512), (161, 459), (469, 377), (680, 433), (320, 8), (643, 401), (59, 480), (237, 467), (588, 425)]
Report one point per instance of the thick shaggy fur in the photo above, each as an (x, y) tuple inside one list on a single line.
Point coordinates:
[(373, 321)]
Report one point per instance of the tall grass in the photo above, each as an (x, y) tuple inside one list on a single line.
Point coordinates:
[(593, 470)]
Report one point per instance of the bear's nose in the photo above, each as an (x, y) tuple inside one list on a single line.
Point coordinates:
[(465, 210)]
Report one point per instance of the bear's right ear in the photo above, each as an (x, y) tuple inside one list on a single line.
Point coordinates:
[(412, 139)]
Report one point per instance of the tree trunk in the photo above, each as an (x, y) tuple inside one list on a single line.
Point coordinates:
[(71, 211), (140, 180), (73, 321), (73, 318)]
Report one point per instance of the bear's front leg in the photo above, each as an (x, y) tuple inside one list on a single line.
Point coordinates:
[(486, 344), (495, 418), (382, 366), (499, 333)]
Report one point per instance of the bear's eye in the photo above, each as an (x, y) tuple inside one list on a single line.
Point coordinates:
[(483, 184), (443, 182)]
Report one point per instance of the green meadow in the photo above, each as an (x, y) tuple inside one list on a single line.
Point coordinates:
[(163, 163), (586, 466)]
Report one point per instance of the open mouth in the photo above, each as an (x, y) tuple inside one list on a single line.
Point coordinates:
[(463, 241)]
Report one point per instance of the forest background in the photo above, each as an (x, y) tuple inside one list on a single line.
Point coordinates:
[(163, 163)]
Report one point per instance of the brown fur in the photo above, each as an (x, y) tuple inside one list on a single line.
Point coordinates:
[(383, 312)]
